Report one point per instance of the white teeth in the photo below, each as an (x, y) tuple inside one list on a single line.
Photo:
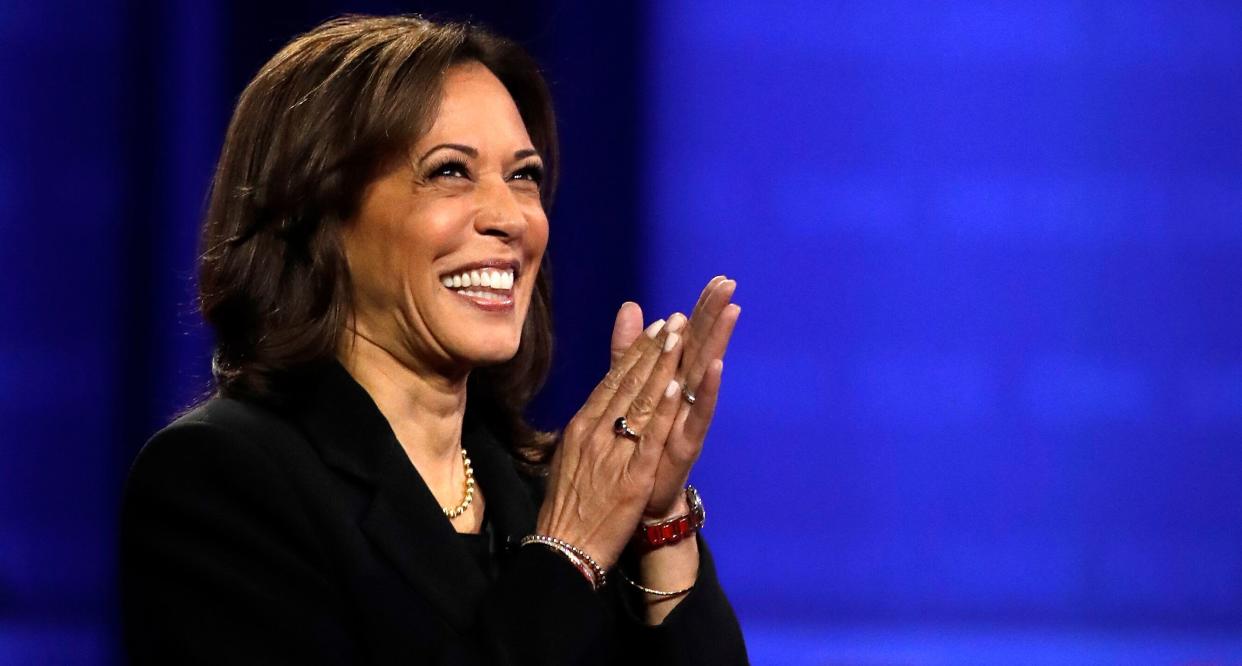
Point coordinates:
[(491, 279), (484, 295)]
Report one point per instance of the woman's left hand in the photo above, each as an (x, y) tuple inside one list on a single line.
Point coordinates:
[(706, 339)]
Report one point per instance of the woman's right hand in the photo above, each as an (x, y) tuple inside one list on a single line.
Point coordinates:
[(599, 481)]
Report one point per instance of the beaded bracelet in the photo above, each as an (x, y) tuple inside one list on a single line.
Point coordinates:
[(579, 564), (658, 593), (593, 572)]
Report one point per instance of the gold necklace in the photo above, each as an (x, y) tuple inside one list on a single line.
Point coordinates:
[(465, 503)]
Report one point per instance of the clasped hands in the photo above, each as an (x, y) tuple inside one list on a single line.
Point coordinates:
[(601, 484)]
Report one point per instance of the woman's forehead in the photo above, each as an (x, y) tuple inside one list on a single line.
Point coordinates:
[(476, 109)]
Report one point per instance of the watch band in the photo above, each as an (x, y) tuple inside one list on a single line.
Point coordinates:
[(650, 536)]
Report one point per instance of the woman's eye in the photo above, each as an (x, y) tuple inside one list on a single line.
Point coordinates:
[(450, 170), (533, 173)]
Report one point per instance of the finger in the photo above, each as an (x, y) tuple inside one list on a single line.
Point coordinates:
[(608, 386), (707, 290), (713, 347), (625, 329), (700, 416), (660, 394), (642, 408), (715, 303), (704, 322), (655, 433), (637, 381), (697, 315)]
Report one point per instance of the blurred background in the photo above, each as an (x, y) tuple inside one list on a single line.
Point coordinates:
[(984, 404)]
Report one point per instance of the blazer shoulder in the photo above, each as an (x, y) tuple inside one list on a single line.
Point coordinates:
[(242, 419), (221, 428)]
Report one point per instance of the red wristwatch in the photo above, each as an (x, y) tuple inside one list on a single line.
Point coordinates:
[(650, 536)]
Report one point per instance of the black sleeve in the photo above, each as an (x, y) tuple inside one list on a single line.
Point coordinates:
[(702, 629), (221, 566), (217, 563)]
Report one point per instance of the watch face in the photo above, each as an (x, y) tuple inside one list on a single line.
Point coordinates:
[(696, 505)]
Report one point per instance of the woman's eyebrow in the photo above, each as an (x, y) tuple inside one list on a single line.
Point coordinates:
[(469, 150), (474, 152)]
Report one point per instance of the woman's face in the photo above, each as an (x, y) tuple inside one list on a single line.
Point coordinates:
[(445, 248)]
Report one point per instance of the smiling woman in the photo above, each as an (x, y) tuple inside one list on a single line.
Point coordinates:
[(363, 488), (467, 206)]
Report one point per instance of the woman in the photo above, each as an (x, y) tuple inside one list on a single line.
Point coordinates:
[(362, 488)]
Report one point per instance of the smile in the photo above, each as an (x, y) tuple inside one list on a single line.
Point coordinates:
[(488, 278), (488, 288)]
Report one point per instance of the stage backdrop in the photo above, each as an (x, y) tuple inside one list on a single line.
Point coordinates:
[(985, 399), (989, 366)]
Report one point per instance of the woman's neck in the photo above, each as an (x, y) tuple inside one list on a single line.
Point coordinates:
[(424, 407)]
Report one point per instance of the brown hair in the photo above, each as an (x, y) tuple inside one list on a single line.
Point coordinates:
[(320, 120)]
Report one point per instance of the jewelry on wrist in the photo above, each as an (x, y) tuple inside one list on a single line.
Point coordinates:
[(590, 569), (650, 536), (658, 593)]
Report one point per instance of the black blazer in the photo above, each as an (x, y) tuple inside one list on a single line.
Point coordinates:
[(302, 534)]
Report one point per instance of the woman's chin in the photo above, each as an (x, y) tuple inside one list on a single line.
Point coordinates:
[(485, 355)]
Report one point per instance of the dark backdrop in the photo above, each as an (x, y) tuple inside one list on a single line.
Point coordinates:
[(112, 120), (985, 400)]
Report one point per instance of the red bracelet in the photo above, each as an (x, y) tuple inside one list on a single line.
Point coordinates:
[(670, 531)]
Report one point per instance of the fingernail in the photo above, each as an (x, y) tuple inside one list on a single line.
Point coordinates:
[(671, 341), (672, 389), (675, 322), (654, 328)]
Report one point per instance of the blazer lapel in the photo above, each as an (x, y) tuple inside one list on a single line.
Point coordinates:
[(406, 524), (404, 520)]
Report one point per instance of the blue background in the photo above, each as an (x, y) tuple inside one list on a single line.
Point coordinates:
[(984, 404)]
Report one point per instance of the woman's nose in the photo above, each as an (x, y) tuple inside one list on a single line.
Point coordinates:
[(499, 213)]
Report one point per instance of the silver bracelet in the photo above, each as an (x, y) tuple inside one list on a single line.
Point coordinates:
[(658, 593), (568, 549)]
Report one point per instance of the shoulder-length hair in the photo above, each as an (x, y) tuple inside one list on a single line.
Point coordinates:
[(317, 124)]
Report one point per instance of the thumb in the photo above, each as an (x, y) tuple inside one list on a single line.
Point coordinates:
[(626, 329)]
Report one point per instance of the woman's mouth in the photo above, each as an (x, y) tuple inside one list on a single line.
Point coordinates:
[(488, 289)]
